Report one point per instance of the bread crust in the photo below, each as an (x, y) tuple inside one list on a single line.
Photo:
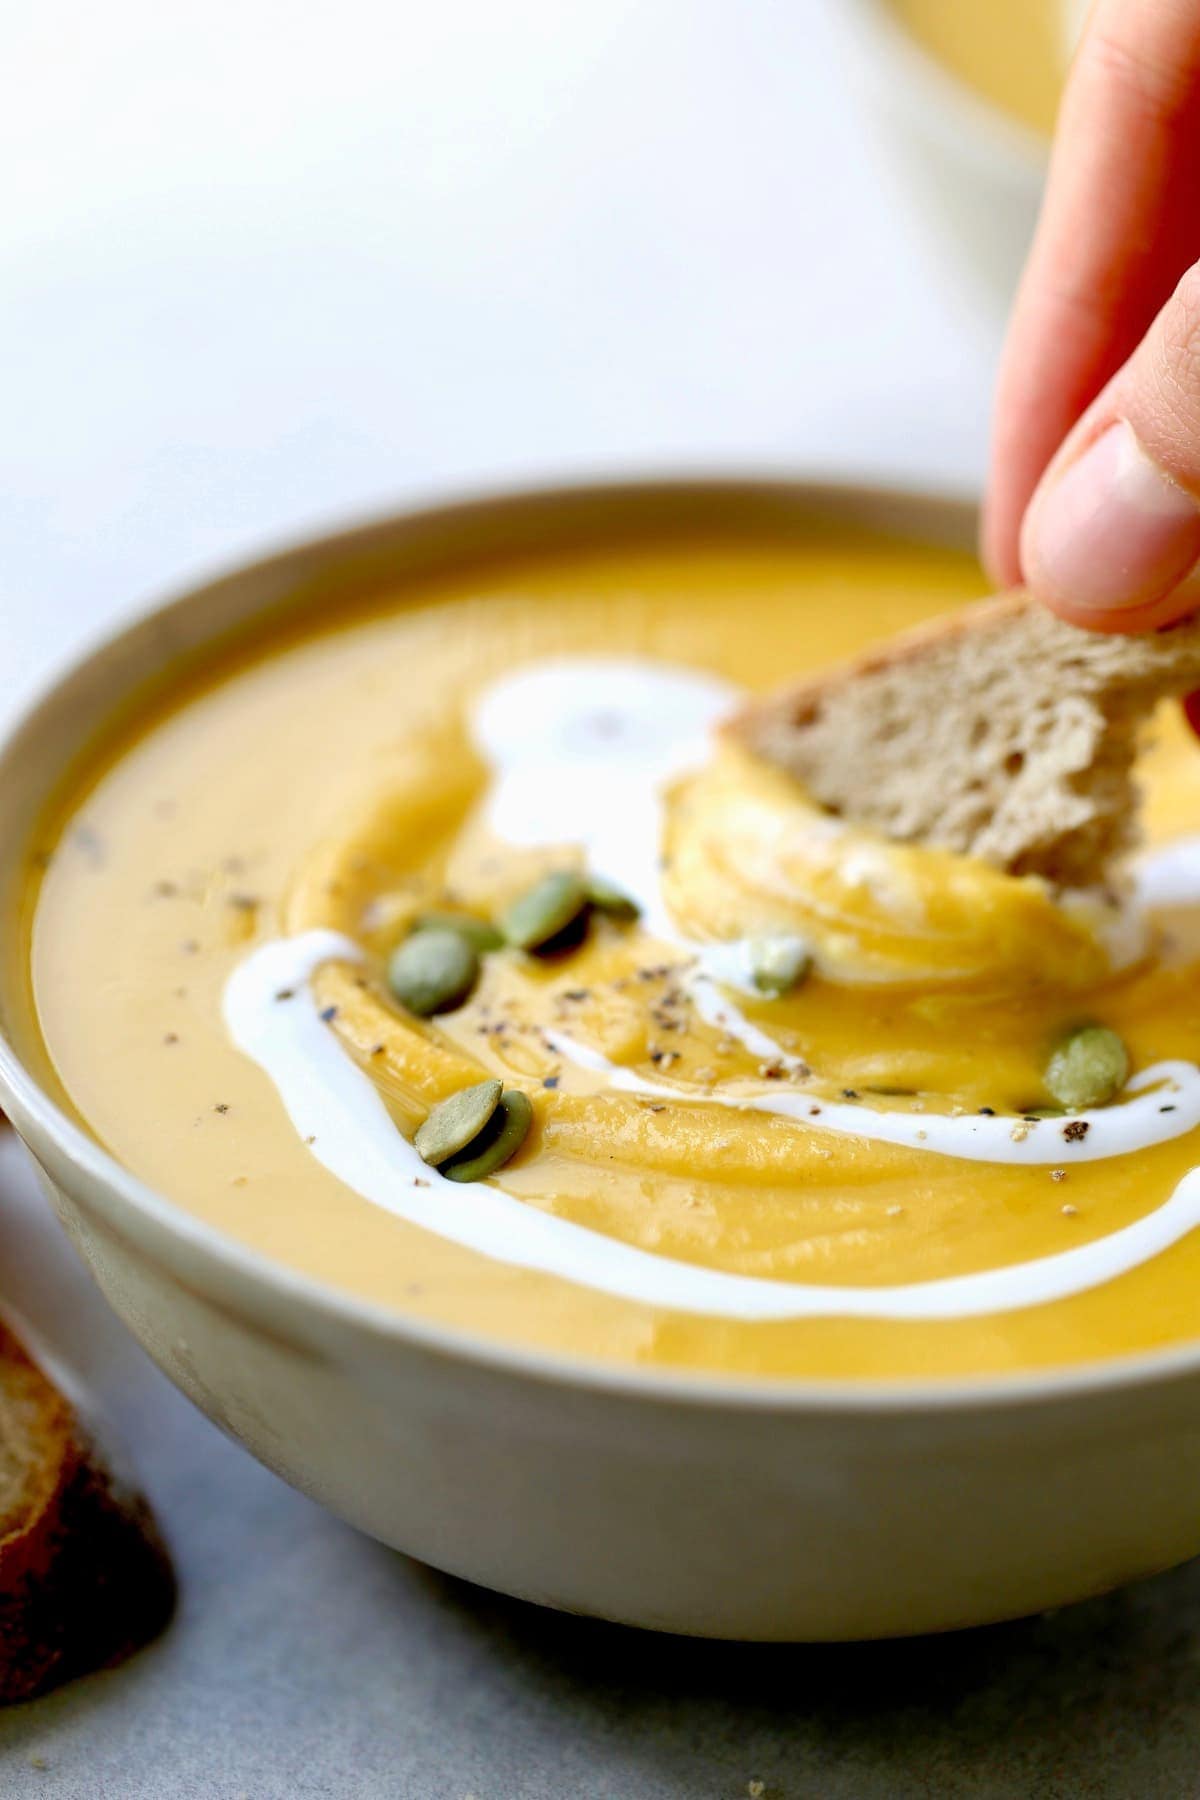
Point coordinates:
[(85, 1578)]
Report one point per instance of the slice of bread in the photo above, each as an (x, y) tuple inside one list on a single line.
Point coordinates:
[(84, 1576), (999, 731)]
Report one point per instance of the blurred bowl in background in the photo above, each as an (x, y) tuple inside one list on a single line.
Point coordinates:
[(965, 92)]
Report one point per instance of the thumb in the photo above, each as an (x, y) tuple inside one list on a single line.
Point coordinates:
[(1113, 528)]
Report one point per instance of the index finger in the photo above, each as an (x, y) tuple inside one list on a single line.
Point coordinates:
[(1120, 223)]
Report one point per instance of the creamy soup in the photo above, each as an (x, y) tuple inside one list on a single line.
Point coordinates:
[(1014, 53), (787, 1081)]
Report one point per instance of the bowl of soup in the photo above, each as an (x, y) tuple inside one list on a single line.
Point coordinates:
[(966, 92), (540, 1135)]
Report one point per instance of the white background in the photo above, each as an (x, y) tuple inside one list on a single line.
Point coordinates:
[(269, 265)]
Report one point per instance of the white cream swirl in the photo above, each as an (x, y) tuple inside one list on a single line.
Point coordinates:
[(581, 750), (273, 1018)]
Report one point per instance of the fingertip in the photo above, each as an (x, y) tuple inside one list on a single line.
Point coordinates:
[(1109, 537)]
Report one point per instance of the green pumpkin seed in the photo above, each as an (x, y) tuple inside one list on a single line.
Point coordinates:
[(481, 934), (545, 910), (499, 1140), (608, 898), (433, 971), (1087, 1068), (778, 964), (453, 1123)]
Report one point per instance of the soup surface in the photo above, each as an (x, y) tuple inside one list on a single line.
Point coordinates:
[(844, 1178), (1012, 52)]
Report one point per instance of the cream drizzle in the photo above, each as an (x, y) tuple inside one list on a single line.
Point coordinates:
[(581, 750), (1109, 1131), (1170, 875), (339, 1113)]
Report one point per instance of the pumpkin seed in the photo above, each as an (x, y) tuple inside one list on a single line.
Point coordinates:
[(778, 964), (481, 934), (544, 910), (499, 1140), (453, 1123), (1087, 1068), (432, 971), (608, 898)]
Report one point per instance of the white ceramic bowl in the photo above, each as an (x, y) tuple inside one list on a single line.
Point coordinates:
[(786, 1510), (976, 173)]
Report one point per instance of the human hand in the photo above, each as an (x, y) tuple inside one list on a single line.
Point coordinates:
[(1094, 494)]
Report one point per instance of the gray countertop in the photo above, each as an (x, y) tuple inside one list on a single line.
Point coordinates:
[(307, 1660)]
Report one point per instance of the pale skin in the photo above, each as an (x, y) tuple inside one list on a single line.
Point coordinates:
[(1094, 492)]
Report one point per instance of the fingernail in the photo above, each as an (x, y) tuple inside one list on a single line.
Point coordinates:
[(1112, 533)]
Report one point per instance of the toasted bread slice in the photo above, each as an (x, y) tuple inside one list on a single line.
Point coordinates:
[(84, 1576), (1000, 732)]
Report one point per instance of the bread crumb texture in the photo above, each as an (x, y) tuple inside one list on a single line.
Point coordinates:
[(1000, 732)]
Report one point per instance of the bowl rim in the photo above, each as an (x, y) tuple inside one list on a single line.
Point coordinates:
[(944, 102), (122, 1198)]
